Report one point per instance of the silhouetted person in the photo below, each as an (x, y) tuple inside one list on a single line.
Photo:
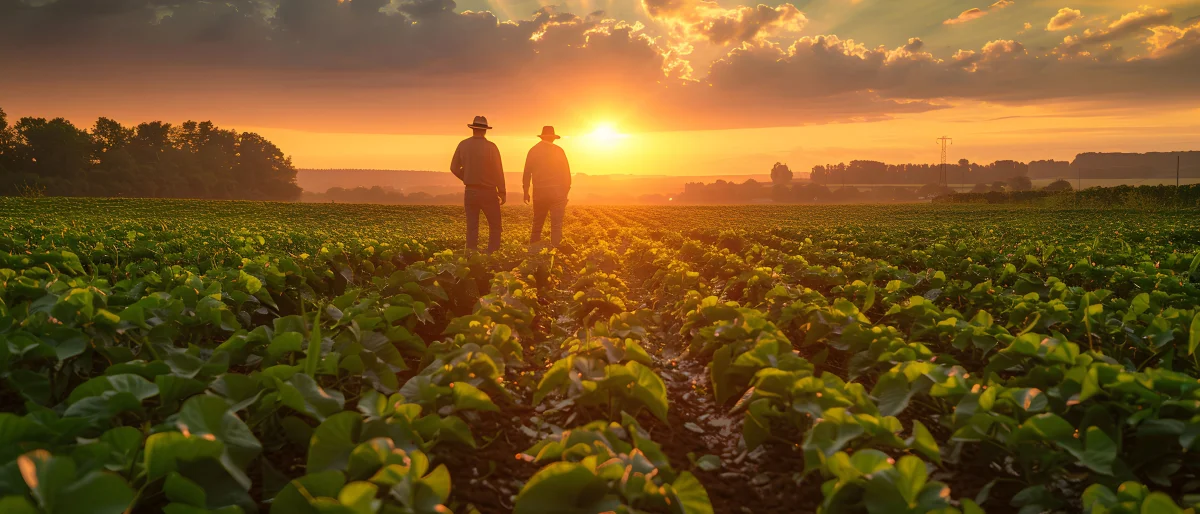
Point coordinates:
[(477, 163), (546, 168)]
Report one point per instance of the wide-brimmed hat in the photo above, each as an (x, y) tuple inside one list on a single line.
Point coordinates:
[(480, 123), (548, 133)]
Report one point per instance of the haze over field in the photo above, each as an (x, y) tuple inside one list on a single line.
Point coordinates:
[(692, 87)]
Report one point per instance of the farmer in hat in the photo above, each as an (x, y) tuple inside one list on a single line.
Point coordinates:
[(477, 163), (547, 170)]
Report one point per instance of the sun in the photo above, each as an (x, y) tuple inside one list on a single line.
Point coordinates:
[(605, 135)]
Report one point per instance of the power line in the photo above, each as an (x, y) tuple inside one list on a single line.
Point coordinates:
[(943, 141)]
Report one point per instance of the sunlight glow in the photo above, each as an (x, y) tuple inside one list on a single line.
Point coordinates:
[(605, 135)]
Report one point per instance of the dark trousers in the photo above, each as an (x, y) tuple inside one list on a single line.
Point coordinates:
[(476, 200), (556, 207)]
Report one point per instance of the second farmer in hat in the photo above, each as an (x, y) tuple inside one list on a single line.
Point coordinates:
[(547, 170)]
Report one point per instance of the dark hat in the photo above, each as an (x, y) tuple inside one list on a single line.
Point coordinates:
[(548, 133), (479, 123)]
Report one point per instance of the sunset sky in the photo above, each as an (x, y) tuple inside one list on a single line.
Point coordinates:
[(638, 86)]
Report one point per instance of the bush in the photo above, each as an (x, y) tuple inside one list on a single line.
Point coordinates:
[(1058, 185)]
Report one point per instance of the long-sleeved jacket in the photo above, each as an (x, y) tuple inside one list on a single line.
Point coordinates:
[(547, 169), (477, 163)]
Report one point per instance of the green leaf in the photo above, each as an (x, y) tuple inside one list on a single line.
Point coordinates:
[(923, 442), (360, 497), (16, 505), (1160, 503), (303, 394), (1140, 304), (165, 450), (104, 406), (210, 415), (721, 360), (173, 389), (252, 283), (1099, 451), (912, 477), (688, 495), (397, 312), (552, 379), (453, 428), (1046, 427), (1098, 496), (649, 389), (438, 481), (560, 487), (333, 441), (469, 397), (96, 493), (635, 352), (125, 443), (756, 426), (312, 357), (294, 498), (1194, 333), (46, 476), (892, 393), (135, 385), (179, 489), (371, 455), (864, 462), (283, 343)]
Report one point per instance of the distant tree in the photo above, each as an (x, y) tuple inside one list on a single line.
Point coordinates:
[(420, 197), (845, 194), (110, 136), (654, 198), (1058, 185), (156, 159), (980, 188), (268, 171), (964, 163), (54, 149), (998, 186), (7, 143), (1020, 183), (933, 190), (781, 175)]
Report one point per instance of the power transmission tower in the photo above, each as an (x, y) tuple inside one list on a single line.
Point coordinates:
[(944, 141)]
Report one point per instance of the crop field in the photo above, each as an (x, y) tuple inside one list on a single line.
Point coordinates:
[(192, 357)]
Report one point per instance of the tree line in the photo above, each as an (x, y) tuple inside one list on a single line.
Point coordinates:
[(781, 189), (1125, 196), (40, 156), (875, 172), (380, 195)]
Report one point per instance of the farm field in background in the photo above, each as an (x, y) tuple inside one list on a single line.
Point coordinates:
[(205, 356), (1039, 183)]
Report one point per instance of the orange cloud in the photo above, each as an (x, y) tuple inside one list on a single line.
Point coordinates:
[(1131, 24), (1065, 18), (349, 66), (707, 20), (975, 13), (1167, 39)]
